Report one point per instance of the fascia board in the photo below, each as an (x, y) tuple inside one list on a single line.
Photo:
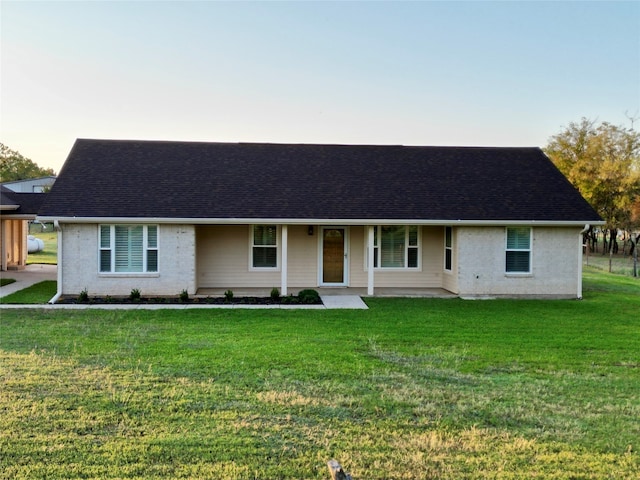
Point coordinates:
[(316, 221), (20, 216)]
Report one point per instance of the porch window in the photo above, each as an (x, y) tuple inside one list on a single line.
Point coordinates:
[(448, 248), (128, 248), (395, 246), (518, 250), (264, 246)]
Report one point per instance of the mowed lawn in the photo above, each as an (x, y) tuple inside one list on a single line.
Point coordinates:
[(412, 388)]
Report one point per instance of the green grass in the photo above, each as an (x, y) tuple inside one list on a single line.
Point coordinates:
[(412, 388), (50, 253), (6, 281), (38, 293)]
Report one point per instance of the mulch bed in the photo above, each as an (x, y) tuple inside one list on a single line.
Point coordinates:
[(288, 300)]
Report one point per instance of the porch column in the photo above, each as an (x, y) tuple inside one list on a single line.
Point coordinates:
[(284, 234), (3, 248), (24, 250), (370, 260)]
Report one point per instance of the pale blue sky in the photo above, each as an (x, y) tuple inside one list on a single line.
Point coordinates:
[(413, 73)]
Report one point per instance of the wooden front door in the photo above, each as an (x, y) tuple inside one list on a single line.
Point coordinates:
[(333, 255)]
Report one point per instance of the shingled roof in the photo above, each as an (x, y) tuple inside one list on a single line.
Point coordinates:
[(234, 181), (18, 204)]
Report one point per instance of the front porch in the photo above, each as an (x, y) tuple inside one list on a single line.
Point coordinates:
[(333, 291), (331, 260)]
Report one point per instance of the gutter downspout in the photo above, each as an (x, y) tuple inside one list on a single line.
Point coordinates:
[(58, 294), (585, 230)]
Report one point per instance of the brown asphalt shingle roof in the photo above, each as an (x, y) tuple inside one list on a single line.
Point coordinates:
[(191, 180)]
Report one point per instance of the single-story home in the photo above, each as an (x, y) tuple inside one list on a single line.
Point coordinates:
[(16, 210), (162, 217)]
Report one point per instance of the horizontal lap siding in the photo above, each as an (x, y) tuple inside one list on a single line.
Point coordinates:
[(176, 263), (428, 276), (223, 258), (302, 257), (430, 273)]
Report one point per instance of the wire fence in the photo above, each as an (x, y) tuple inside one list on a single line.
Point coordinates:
[(620, 264)]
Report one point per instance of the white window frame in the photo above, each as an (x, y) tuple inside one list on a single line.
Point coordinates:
[(146, 248), (448, 248), (377, 250), (529, 250), (252, 245)]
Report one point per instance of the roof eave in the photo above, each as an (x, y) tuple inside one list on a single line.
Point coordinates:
[(318, 221)]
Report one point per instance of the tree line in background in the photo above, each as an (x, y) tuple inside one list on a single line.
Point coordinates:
[(603, 162), (14, 166)]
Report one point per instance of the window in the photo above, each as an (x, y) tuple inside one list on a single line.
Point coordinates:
[(395, 246), (448, 248), (264, 246), (518, 258), (128, 248)]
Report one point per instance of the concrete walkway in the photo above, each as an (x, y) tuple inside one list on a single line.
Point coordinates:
[(30, 275), (33, 274)]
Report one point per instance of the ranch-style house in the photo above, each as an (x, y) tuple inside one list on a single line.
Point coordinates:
[(163, 216)]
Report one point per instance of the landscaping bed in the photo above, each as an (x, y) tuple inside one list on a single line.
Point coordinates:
[(305, 297)]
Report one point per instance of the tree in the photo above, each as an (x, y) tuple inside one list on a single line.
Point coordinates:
[(13, 166), (603, 163)]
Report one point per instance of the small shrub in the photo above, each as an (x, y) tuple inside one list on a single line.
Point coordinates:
[(309, 296), (135, 295), (84, 296), (290, 299), (228, 296), (275, 294), (184, 296)]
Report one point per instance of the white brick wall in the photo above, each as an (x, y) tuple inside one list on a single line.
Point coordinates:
[(481, 263), (176, 263), (478, 262)]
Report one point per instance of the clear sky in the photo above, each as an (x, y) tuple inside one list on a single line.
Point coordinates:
[(413, 73)]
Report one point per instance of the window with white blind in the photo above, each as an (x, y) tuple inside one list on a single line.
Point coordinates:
[(128, 248), (518, 250), (395, 246), (264, 246)]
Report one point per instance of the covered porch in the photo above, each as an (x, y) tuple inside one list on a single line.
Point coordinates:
[(251, 260), (334, 291)]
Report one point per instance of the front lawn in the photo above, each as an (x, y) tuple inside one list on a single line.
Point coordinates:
[(412, 388), (38, 293)]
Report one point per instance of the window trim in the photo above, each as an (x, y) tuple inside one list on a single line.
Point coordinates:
[(377, 251), (448, 249), (529, 250), (145, 249), (276, 246)]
